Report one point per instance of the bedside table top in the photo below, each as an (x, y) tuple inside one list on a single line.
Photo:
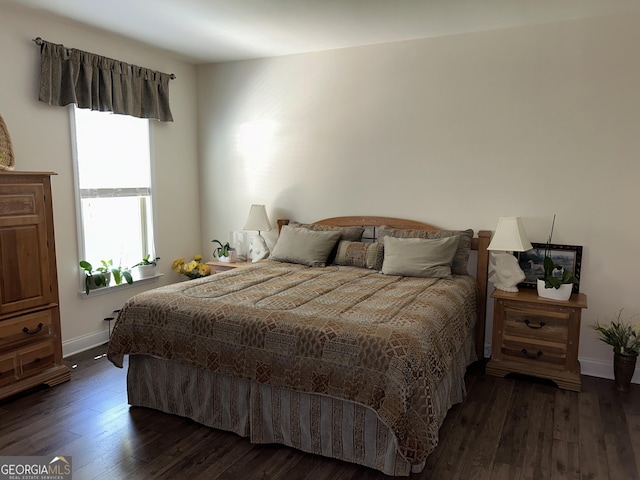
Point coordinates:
[(218, 263), (578, 300)]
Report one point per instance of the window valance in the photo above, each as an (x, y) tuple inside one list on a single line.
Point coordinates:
[(68, 75)]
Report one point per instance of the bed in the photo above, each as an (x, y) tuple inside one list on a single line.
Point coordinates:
[(336, 359)]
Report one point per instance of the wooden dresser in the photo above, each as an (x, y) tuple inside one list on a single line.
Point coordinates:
[(30, 342), (536, 336)]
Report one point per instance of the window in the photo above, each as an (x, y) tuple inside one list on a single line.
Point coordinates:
[(113, 174)]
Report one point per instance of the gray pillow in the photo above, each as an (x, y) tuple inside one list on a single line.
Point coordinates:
[(461, 258), (352, 234), (419, 257), (303, 246)]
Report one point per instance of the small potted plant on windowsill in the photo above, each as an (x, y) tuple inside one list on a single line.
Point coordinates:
[(145, 268), (625, 340), (101, 276), (224, 252)]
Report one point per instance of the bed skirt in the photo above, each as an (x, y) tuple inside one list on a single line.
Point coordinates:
[(309, 422)]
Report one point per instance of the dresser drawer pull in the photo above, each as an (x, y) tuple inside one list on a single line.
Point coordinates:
[(528, 324), (533, 357), (37, 330)]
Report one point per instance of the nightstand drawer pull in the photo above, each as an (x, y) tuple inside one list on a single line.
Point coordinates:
[(533, 357), (528, 324), (37, 330)]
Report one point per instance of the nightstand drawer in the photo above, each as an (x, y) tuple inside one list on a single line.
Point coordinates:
[(534, 352), (25, 329), (536, 324)]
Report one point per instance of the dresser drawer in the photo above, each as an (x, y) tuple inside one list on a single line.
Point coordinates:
[(538, 324), (25, 328), (25, 362), (7, 369), (35, 358)]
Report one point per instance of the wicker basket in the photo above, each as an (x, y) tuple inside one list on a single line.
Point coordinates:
[(7, 160)]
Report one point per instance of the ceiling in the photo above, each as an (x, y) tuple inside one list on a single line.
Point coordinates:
[(206, 31)]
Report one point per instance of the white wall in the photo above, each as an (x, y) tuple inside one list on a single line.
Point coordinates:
[(42, 142), (456, 131)]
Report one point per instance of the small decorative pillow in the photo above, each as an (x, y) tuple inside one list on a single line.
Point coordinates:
[(359, 254), (303, 246), (419, 257), (461, 258)]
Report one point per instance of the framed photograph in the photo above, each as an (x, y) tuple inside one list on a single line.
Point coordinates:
[(568, 257)]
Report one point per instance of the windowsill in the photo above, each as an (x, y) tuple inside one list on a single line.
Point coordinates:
[(123, 286)]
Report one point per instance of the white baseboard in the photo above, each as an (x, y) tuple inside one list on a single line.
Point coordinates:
[(598, 368), (85, 342)]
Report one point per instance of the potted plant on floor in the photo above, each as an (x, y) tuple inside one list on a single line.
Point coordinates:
[(625, 340), (224, 252)]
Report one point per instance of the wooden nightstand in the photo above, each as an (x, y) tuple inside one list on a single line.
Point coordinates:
[(218, 266), (536, 336)]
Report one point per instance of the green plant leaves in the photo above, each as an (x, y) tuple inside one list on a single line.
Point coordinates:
[(621, 335), (86, 266), (222, 250), (552, 281)]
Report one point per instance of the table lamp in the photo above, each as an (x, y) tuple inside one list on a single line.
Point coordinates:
[(509, 237), (258, 220)]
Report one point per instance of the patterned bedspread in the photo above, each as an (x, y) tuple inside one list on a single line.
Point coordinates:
[(378, 340)]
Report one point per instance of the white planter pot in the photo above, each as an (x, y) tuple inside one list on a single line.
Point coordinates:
[(563, 293), (231, 258), (143, 271)]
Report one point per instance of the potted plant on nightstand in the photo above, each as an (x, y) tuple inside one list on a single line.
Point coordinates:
[(625, 340), (556, 283), (224, 252)]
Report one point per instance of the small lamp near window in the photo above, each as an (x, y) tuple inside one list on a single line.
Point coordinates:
[(509, 237), (258, 220)]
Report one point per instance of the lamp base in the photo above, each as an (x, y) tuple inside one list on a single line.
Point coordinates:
[(506, 288), (504, 271), (258, 249)]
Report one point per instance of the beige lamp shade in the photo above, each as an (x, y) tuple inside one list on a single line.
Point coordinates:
[(510, 236), (258, 219)]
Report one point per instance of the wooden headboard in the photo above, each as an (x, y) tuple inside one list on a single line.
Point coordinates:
[(479, 244)]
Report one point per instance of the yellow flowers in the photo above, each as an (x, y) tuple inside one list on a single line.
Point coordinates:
[(192, 269)]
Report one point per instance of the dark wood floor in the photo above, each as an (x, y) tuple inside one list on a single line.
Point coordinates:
[(506, 429)]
